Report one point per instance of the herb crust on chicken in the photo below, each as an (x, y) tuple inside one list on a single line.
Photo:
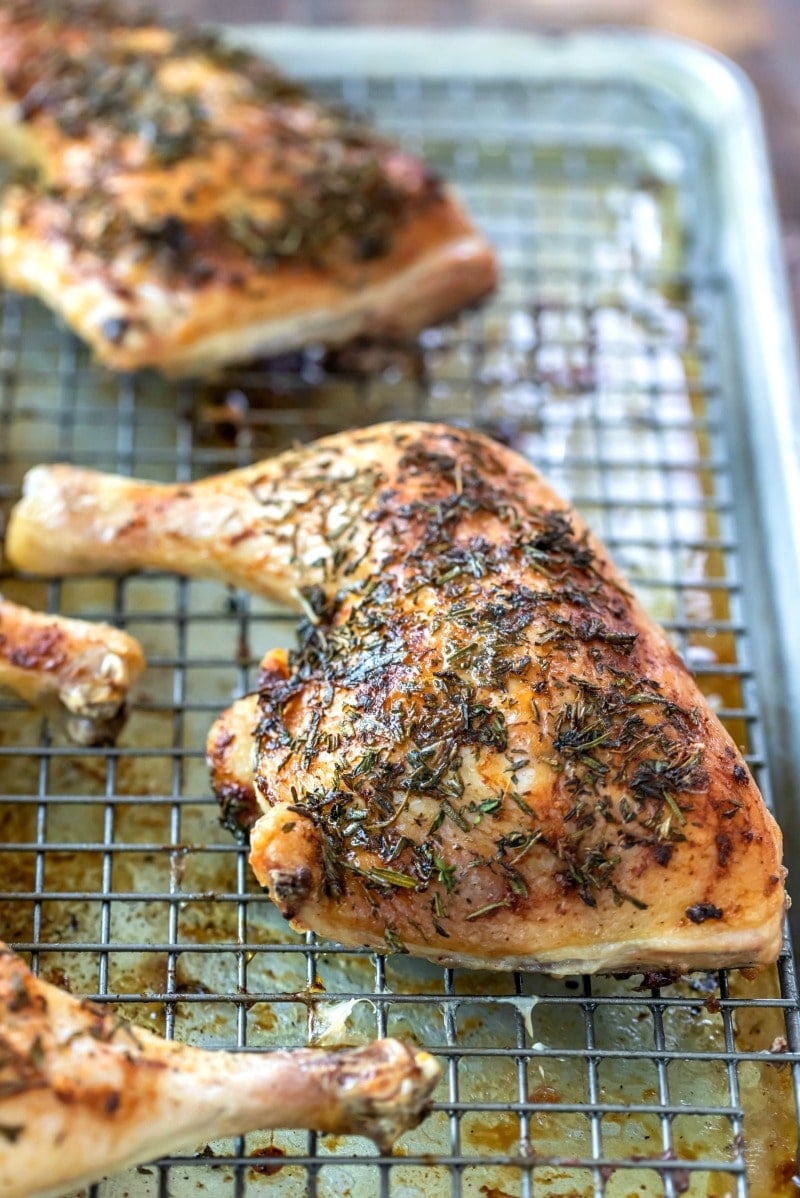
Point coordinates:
[(482, 750), (191, 206)]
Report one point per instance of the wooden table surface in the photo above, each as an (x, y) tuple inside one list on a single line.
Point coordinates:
[(762, 36)]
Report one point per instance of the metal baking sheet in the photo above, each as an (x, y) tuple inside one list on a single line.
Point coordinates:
[(639, 351)]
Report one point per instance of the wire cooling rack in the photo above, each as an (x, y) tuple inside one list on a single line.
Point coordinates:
[(602, 360)]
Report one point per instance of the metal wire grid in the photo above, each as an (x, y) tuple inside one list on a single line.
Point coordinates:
[(600, 359)]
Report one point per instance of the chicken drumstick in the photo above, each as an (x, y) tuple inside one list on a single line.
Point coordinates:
[(83, 1093), (78, 672)]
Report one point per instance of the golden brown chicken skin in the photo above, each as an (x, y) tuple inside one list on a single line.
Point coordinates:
[(194, 207), (482, 750)]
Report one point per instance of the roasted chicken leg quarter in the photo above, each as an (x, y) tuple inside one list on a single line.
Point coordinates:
[(83, 1093), (77, 672), (482, 750), (192, 206)]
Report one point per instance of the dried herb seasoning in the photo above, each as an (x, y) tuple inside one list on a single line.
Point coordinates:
[(421, 646), (322, 188)]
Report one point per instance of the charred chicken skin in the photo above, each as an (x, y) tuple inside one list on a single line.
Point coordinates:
[(193, 207), (83, 1093), (482, 750)]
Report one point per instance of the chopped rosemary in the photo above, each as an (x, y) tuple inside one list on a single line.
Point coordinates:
[(391, 877), (445, 873), (486, 910), (393, 940), (412, 672)]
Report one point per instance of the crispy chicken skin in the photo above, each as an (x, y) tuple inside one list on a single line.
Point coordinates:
[(83, 1093), (482, 750), (79, 673), (194, 207)]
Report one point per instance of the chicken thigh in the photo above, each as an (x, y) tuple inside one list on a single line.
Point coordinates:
[(482, 750)]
